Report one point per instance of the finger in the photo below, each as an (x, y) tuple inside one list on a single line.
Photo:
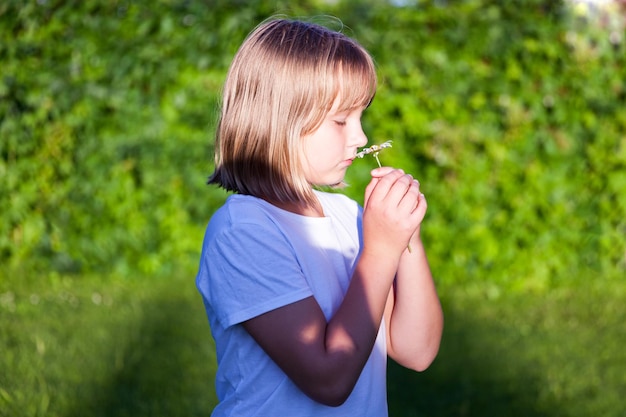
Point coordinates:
[(419, 191), (376, 174), (420, 210), (410, 199), (381, 186), (404, 192), (368, 191), (382, 171)]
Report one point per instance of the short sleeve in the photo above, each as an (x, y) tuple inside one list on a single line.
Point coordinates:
[(249, 269)]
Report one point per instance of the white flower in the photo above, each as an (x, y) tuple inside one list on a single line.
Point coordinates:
[(374, 150)]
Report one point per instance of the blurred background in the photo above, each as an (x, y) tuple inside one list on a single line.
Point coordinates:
[(512, 114)]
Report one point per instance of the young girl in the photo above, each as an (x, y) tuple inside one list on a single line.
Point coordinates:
[(306, 292)]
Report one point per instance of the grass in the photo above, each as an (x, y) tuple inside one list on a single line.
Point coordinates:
[(556, 354), (102, 346), (113, 346)]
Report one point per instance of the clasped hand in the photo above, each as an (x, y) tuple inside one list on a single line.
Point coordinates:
[(393, 211)]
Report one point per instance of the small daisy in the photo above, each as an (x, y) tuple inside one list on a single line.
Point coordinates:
[(374, 150)]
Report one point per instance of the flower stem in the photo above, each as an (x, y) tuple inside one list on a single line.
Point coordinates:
[(377, 160)]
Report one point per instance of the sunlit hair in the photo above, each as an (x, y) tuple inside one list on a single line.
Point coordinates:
[(282, 83)]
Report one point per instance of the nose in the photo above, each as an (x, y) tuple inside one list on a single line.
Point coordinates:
[(359, 139)]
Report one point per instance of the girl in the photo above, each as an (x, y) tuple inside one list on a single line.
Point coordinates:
[(306, 292)]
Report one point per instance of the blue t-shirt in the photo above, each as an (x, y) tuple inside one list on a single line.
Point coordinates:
[(256, 258)]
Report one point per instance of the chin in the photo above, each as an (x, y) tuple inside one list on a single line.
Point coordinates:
[(331, 184), (339, 184)]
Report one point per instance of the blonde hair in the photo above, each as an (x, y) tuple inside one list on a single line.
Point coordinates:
[(281, 84)]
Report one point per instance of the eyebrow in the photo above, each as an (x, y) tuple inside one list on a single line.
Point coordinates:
[(348, 110)]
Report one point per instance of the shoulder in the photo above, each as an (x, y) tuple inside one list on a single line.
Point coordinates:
[(241, 211), (243, 224), (338, 204), (243, 208), (248, 263)]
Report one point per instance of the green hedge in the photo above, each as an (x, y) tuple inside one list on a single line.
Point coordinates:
[(511, 114)]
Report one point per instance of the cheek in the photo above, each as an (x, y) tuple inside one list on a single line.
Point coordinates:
[(319, 143), (311, 155)]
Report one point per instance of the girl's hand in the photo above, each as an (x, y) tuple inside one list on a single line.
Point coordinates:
[(393, 211)]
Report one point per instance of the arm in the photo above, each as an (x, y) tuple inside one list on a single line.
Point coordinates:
[(325, 358), (413, 316)]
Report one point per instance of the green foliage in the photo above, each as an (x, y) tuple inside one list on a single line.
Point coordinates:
[(520, 151), (108, 111), (106, 119), (511, 114)]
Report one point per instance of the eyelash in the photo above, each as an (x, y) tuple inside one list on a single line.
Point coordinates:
[(340, 122)]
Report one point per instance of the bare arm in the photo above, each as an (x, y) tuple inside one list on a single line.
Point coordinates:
[(325, 358), (413, 315)]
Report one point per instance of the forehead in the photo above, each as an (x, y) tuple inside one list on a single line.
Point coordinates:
[(354, 91), (341, 107)]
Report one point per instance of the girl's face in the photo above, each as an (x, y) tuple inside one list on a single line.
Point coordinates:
[(330, 149)]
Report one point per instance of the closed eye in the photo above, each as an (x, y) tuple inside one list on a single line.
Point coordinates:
[(340, 122)]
